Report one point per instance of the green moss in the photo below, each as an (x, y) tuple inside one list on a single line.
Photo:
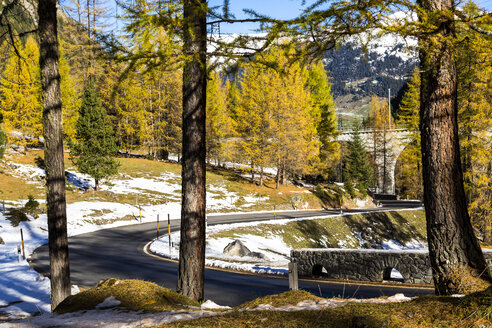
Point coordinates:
[(134, 295)]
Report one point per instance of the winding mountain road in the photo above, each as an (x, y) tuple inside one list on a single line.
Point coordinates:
[(118, 252)]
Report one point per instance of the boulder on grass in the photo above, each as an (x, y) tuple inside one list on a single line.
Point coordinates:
[(236, 248)]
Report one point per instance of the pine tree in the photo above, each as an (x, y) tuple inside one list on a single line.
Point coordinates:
[(94, 147), (357, 167)]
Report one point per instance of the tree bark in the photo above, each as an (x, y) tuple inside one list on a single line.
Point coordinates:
[(192, 245), (454, 251), (54, 162)]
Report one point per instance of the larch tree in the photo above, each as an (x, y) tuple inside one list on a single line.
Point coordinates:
[(296, 140), (69, 95), (453, 248), (192, 244), (131, 105), (410, 180), (455, 254), (324, 115), (186, 22), (327, 26), (381, 123), (254, 124), (475, 121), (21, 94), (53, 153), (218, 118), (274, 120)]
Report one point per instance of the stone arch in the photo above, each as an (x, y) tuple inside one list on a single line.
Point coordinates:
[(397, 173), (393, 274), (318, 270)]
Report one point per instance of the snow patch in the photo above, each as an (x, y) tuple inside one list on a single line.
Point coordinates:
[(209, 305), (111, 301)]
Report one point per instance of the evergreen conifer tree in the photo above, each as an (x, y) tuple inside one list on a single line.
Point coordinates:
[(358, 169), (95, 146)]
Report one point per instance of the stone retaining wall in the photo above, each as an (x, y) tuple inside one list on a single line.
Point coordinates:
[(366, 264)]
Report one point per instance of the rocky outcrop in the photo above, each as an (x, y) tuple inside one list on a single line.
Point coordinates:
[(237, 248)]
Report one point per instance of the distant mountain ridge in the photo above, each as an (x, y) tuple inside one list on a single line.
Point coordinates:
[(356, 74)]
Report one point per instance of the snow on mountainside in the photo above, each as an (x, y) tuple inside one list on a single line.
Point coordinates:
[(357, 75)]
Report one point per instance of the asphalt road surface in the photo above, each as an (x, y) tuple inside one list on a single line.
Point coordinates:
[(118, 253)]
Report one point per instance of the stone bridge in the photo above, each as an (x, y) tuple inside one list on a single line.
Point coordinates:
[(395, 142), (367, 264)]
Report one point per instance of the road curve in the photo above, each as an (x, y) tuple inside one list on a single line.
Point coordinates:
[(118, 252)]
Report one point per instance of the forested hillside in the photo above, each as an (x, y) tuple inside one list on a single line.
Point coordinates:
[(282, 117), (358, 74)]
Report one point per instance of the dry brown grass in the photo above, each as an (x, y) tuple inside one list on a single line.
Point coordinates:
[(430, 311)]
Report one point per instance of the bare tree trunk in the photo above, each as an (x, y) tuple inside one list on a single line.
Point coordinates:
[(284, 174), (53, 153), (192, 245), (278, 175), (261, 175), (455, 255)]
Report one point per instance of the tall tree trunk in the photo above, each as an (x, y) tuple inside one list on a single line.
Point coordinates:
[(192, 245), (278, 175), (454, 251), (261, 175), (385, 174), (53, 153), (284, 174)]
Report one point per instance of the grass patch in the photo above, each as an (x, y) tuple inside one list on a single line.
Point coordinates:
[(374, 228), (430, 311), (134, 295), (100, 221), (12, 188), (139, 167)]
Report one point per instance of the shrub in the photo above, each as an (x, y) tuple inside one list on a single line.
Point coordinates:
[(32, 206)]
